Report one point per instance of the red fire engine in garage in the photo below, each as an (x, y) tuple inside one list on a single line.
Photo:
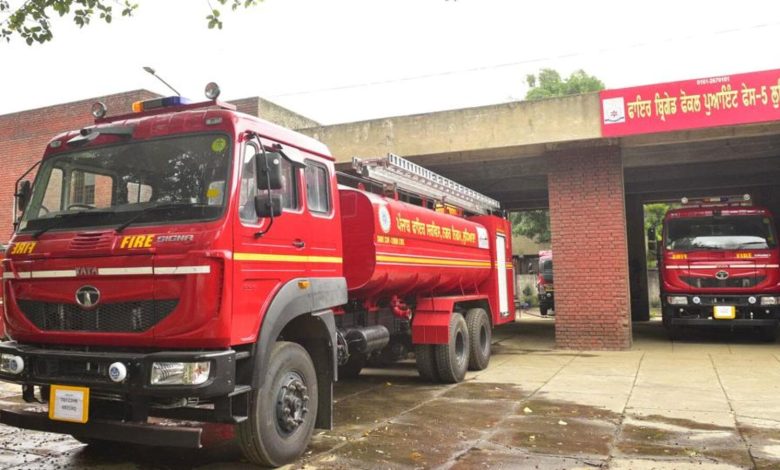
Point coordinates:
[(190, 262), (719, 265)]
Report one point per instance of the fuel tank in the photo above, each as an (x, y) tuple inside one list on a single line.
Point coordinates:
[(395, 248)]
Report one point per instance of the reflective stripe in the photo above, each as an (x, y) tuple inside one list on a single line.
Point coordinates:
[(422, 261), (289, 258), (183, 270), (125, 271), (136, 271)]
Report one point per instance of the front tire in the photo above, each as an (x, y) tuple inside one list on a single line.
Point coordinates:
[(283, 411), (452, 359), (480, 334)]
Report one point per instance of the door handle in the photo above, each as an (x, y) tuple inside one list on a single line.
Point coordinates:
[(298, 243)]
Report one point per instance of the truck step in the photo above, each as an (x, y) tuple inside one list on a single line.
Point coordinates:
[(240, 390)]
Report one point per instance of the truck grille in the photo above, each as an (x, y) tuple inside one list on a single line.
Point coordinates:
[(123, 317), (735, 282)]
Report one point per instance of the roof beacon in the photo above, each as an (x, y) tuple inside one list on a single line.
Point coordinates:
[(411, 177)]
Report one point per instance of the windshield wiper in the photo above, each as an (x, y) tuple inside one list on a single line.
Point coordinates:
[(157, 207), (66, 215)]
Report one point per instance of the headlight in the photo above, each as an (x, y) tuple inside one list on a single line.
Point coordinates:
[(769, 300), (180, 373), (677, 300), (11, 364)]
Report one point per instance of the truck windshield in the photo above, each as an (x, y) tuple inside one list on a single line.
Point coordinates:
[(183, 178), (720, 233)]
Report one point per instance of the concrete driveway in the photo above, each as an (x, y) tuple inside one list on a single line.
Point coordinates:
[(710, 401)]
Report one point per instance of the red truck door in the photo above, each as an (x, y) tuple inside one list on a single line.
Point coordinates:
[(264, 261)]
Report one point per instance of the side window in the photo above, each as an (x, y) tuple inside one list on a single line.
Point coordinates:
[(52, 198), (317, 194), (248, 189), (246, 193)]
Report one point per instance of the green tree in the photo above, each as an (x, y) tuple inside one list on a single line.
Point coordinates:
[(534, 224), (654, 217), (549, 84), (32, 20)]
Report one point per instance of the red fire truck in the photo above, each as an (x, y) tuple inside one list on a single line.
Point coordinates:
[(719, 265), (189, 262), (544, 282)]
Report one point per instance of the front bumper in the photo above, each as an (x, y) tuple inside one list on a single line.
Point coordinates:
[(44, 366), (121, 431), (699, 311)]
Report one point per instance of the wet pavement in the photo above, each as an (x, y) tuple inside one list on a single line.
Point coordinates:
[(709, 401)]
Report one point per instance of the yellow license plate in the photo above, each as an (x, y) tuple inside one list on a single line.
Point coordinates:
[(68, 403), (724, 312)]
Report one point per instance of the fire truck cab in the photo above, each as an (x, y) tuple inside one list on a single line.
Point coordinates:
[(719, 266)]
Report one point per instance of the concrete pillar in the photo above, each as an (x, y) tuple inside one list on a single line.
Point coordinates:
[(588, 223), (637, 259)]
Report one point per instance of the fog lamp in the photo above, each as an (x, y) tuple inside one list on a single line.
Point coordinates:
[(677, 300), (696, 300), (751, 300), (11, 364), (117, 372), (179, 373)]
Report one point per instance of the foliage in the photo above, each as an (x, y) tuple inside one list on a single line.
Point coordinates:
[(654, 217), (549, 84), (533, 224), (32, 20)]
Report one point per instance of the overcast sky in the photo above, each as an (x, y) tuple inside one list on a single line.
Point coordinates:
[(350, 60)]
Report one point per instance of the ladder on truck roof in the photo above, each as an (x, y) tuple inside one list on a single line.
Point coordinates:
[(411, 177)]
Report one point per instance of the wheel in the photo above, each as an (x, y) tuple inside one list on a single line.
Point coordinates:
[(480, 334), (282, 412), (543, 310), (425, 358), (666, 317), (452, 359), (768, 334), (354, 365)]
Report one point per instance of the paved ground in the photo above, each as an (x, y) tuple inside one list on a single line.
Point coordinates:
[(710, 401)]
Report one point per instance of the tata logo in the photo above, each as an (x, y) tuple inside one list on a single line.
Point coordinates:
[(722, 275), (86, 271), (87, 296)]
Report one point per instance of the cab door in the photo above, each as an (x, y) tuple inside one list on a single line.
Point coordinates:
[(268, 252), (323, 236)]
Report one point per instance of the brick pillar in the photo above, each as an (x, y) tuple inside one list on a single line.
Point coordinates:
[(588, 223)]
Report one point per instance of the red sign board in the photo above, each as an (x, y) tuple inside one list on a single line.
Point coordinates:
[(691, 104)]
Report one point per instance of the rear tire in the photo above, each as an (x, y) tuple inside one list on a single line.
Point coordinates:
[(282, 412), (480, 334), (425, 358), (452, 359)]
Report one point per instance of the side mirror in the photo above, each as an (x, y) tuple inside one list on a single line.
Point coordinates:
[(267, 205), (268, 170), (23, 194), (531, 268)]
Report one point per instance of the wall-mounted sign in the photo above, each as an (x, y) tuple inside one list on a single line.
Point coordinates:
[(691, 104)]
